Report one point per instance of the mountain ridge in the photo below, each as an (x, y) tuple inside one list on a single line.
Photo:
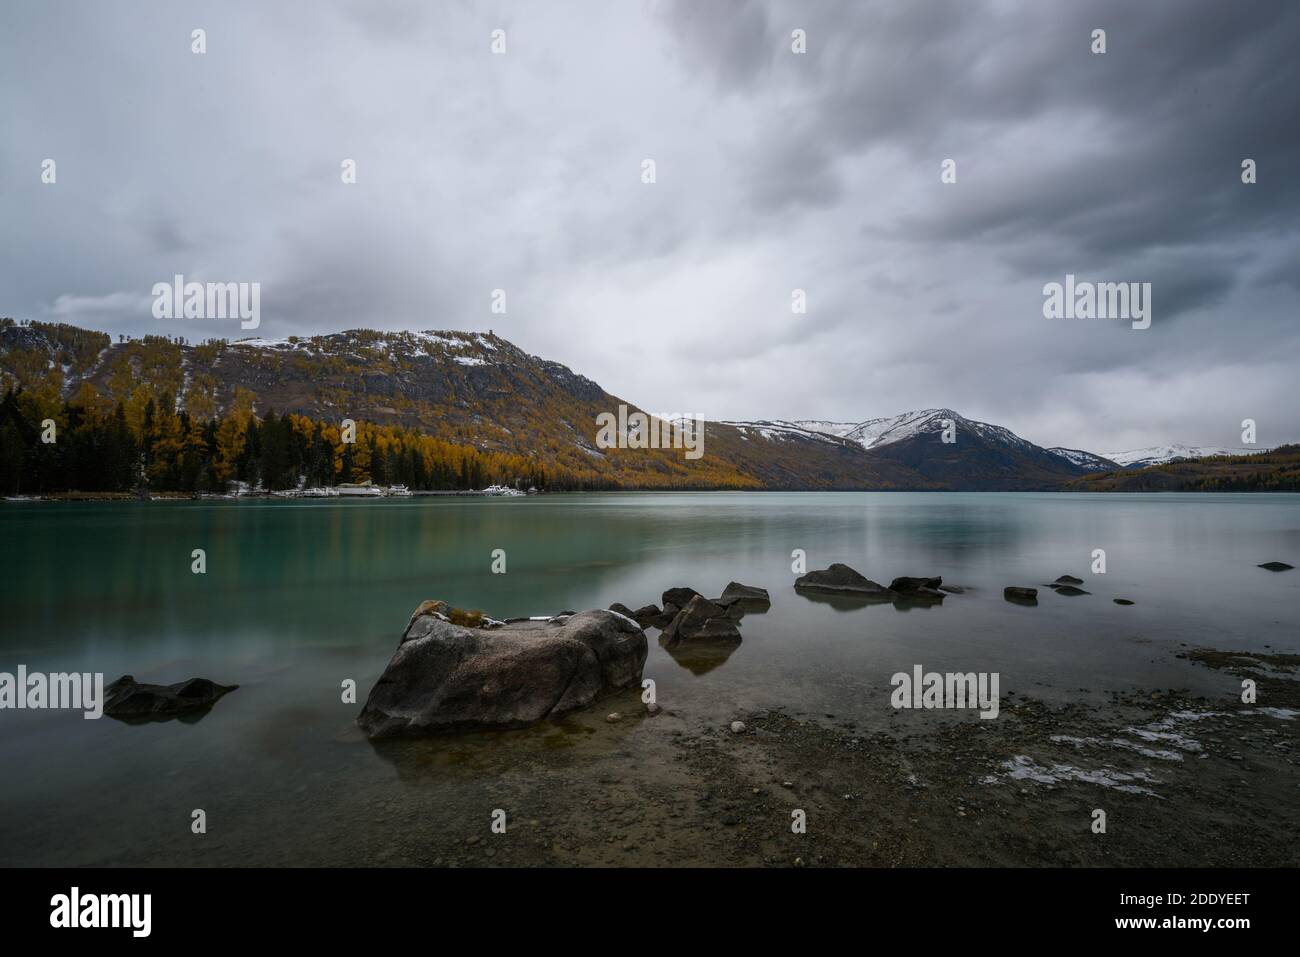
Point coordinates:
[(482, 391)]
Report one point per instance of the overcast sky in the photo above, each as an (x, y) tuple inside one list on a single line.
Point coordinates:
[(775, 171)]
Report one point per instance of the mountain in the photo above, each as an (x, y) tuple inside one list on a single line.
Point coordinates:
[(980, 457), (1160, 454), (471, 389), (479, 392), (1086, 460), (1275, 470)]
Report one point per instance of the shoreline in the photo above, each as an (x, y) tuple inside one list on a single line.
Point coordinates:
[(1022, 791)]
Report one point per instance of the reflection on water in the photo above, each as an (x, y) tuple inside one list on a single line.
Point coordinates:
[(302, 596)]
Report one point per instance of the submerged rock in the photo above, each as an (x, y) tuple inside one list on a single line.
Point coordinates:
[(841, 579), (1071, 590), (1023, 596), (1067, 580), (449, 678), (735, 591), (906, 584), (1122, 601), (702, 620), (917, 591), (1276, 566), (128, 698)]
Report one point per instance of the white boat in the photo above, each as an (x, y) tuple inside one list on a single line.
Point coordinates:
[(501, 490), (324, 492), (359, 491), (399, 491)]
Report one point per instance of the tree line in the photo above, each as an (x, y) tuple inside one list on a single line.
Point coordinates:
[(89, 444)]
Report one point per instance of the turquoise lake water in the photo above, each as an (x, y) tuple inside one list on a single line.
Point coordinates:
[(301, 595)]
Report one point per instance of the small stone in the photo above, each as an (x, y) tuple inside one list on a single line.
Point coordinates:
[(652, 708), (737, 727), (613, 716)]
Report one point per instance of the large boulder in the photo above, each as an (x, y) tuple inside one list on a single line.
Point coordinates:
[(448, 678), (128, 698), (702, 620), (843, 580)]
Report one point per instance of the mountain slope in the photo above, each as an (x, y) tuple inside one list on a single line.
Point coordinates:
[(1277, 470), (466, 388), (1088, 461), (1159, 455), (480, 391), (980, 457)]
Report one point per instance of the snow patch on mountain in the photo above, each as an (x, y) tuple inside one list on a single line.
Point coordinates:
[(1086, 460), (1161, 454)]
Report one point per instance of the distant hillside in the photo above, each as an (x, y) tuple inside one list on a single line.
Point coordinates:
[(1275, 471), (981, 457), (466, 389), (1161, 454), (448, 409)]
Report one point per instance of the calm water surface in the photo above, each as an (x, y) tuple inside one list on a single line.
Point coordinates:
[(300, 596)]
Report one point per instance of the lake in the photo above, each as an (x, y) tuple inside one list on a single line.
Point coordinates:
[(299, 596)]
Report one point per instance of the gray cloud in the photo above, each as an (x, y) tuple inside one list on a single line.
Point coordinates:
[(775, 171)]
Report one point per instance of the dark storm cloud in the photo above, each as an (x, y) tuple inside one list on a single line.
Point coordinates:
[(775, 171)]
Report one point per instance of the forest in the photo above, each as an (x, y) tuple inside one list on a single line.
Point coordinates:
[(88, 444)]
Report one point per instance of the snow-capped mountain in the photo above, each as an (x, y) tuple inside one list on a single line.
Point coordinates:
[(1086, 460), (877, 433), (1160, 454), (980, 455)]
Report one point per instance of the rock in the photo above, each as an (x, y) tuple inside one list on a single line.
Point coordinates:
[(613, 717), (647, 616), (701, 620), (843, 580), (428, 608), (680, 597), (1067, 580), (622, 609), (735, 590), (917, 591), (652, 708), (1122, 601), (1276, 566), (737, 727), (448, 678), (128, 698), (1026, 596), (1071, 590), (905, 584)]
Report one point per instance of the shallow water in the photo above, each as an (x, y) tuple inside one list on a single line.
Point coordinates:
[(299, 596)]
